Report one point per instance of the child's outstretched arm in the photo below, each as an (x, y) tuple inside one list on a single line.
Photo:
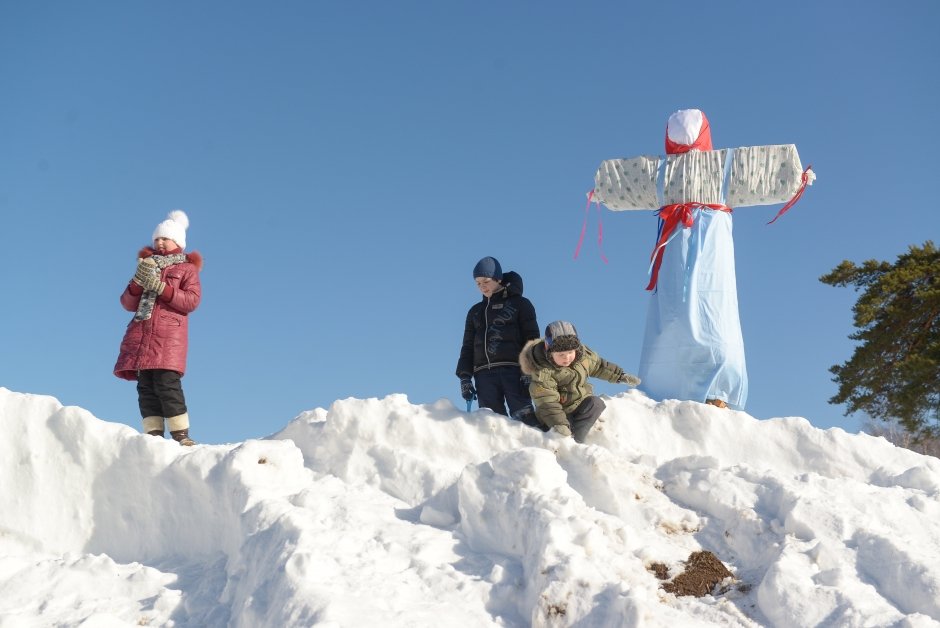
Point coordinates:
[(629, 380), (613, 373)]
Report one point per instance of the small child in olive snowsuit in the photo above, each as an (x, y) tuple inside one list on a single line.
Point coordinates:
[(559, 367)]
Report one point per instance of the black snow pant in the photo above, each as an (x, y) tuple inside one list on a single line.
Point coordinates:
[(584, 417), (502, 385), (160, 393)]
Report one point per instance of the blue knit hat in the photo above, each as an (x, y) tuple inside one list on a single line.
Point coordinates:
[(488, 267)]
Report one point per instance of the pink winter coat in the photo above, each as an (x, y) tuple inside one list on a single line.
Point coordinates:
[(161, 341)]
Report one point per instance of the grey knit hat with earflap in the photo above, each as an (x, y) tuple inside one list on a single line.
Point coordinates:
[(561, 336)]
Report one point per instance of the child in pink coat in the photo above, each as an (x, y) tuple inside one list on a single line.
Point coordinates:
[(164, 290)]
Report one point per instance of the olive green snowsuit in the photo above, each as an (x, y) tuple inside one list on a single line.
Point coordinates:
[(557, 391)]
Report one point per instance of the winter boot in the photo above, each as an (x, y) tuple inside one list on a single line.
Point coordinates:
[(153, 425), (179, 429), (182, 437), (527, 415)]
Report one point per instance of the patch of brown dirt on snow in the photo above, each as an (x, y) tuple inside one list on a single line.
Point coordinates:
[(702, 572), (659, 570)]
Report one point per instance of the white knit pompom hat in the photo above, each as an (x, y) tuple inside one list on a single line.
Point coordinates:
[(174, 227)]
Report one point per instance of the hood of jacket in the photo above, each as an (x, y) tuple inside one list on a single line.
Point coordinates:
[(529, 362), (534, 357), (512, 285), (513, 282)]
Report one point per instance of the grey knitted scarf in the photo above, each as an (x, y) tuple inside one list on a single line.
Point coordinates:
[(149, 298)]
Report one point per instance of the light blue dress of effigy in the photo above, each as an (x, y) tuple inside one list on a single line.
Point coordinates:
[(693, 348)]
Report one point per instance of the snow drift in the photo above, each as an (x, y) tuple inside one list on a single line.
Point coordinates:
[(381, 512)]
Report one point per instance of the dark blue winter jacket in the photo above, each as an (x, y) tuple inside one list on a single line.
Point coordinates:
[(497, 328)]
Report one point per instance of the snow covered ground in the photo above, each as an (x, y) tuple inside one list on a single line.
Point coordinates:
[(378, 512)]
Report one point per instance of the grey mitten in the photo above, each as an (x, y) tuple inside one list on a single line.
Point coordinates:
[(629, 380), (153, 284), (562, 429), (146, 269)]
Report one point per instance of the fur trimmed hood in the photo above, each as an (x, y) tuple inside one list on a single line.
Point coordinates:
[(527, 359), (193, 258)]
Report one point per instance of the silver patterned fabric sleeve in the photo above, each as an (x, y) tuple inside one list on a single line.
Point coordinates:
[(627, 183), (759, 175), (764, 175)]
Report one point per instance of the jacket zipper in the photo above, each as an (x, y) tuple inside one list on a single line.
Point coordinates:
[(486, 331)]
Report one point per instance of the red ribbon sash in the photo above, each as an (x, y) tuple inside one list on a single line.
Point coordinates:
[(672, 216)]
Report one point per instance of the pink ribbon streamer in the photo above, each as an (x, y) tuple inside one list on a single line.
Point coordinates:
[(600, 228)]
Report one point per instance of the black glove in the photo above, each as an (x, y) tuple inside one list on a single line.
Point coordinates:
[(525, 380), (467, 391)]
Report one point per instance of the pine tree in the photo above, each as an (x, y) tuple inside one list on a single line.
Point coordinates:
[(894, 374)]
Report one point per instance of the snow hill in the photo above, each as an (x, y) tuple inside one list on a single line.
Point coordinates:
[(378, 512)]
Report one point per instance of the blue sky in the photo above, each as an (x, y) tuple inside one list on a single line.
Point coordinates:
[(344, 166)]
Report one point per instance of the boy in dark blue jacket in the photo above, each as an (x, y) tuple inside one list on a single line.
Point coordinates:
[(496, 329)]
